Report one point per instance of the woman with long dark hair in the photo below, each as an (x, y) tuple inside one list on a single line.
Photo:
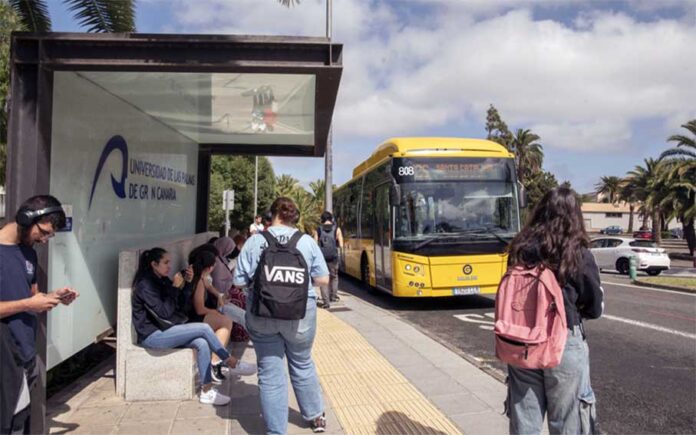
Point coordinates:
[(555, 238), (207, 310), (275, 339), (158, 300)]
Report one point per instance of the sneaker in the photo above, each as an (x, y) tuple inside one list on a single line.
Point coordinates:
[(318, 424), (242, 369), (216, 372), (335, 299), (213, 397)]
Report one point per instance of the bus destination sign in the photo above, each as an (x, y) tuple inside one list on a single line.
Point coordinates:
[(406, 170)]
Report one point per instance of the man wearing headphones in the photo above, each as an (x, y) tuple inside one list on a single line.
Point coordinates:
[(37, 220)]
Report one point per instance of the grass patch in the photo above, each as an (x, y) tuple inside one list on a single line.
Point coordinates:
[(688, 283)]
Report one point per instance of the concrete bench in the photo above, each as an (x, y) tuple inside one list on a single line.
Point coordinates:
[(148, 374)]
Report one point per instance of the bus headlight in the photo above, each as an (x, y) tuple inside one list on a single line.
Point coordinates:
[(416, 269), (407, 267)]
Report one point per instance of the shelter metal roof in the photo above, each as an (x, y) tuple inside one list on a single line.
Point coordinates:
[(231, 94)]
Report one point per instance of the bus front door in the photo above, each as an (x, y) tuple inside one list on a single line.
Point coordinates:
[(382, 235)]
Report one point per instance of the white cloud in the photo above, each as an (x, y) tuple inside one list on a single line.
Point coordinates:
[(598, 135), (581, 83)]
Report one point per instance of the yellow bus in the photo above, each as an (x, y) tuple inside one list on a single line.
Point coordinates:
[(426, 217)]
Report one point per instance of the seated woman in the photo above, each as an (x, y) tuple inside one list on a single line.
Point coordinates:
[(204, 308), (155, 301), (221, 294)]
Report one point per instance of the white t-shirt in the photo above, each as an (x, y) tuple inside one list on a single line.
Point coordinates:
[(255, 228)]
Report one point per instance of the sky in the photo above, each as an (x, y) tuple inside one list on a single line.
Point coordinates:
[(603, 83)]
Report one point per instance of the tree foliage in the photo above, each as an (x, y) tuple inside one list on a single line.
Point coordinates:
[(610, 186), (680, 178), (100, 16), (528, 152), (237, 173), (309, 203), (9, 22), (496, 128), (538, 185), (529, 156), (33, 14)]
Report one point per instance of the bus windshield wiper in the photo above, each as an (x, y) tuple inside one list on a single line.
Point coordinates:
[(424, 243), (491, 232)]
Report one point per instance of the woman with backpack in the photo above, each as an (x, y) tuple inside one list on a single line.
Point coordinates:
[(555, 240), (284, 266), (158, 303)]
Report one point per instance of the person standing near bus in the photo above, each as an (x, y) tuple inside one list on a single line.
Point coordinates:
[(256, 226), (36, 221), (278, 338), (330, 240), (555, 237)]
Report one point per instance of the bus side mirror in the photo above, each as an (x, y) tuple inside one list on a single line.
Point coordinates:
[(523, 196), (395, 194)]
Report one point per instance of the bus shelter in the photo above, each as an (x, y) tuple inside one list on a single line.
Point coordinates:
[(121, 129)]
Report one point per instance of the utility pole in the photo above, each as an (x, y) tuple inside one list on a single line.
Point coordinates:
[(256, 186), (328, 159)]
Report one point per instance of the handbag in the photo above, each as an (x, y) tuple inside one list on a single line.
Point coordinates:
[(164, 324)]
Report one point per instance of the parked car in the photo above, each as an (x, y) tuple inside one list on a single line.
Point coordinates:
[(611, 230), (615, 252), (677, 233), (643, 235)]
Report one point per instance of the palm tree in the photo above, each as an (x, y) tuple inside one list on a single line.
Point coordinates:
[(645, 181), (100, 16), (681, 179), (689, 143), (318, 189), (627, 193), (529, 153), (611, 187), (286, 185)]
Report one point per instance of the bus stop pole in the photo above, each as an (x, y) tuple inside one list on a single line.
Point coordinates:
[(328, 159), (256, 186)]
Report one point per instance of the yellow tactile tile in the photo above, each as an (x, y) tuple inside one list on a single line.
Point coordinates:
[(369, 395)]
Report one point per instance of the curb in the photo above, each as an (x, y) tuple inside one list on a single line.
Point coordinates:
[(664, 287), (680, 256)]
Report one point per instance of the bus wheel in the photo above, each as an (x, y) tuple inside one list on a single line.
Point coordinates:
[(365, 274)]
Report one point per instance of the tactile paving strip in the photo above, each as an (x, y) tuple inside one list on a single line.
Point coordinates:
[(369, 395)]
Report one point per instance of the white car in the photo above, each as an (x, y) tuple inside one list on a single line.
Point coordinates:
[(615, 252)]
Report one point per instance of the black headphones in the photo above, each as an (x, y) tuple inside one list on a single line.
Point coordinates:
[(26, 217)]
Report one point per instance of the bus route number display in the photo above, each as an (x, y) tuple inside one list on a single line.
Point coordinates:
[(406, 170)]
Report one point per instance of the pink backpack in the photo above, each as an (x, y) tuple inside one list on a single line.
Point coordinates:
[(530, 321)]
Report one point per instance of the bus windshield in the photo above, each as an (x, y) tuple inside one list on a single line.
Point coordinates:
[(467, 209)]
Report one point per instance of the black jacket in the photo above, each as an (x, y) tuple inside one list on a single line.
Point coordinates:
[(160, 295), (582, 295)]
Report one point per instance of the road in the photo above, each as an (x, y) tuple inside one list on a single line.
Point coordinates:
[(642, 352)]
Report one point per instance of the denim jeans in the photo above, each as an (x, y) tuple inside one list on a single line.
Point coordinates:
[(273, 341), (237, 314), (199, 336), (562, 392)]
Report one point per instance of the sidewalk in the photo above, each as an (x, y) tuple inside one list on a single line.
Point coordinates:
[(378, 374)]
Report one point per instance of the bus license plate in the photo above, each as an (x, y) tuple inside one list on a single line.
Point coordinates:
[(460, 291)]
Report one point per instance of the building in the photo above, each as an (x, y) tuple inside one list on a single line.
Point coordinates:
[(598, 215)]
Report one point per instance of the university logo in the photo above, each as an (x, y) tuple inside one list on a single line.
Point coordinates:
[(116, 143)]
